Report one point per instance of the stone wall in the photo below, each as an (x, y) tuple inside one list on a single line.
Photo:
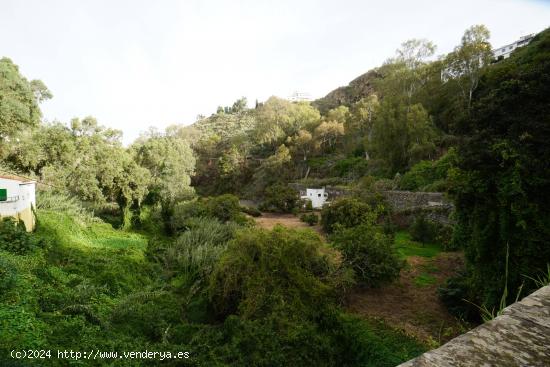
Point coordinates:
[(406, 205), (410, 200), (520, 336)]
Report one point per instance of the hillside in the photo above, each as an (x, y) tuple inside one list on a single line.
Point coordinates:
[(429, 215), (360, 87), (226, 125)]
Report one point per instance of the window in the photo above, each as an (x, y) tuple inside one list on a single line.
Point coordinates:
[(318, 195), (3, 194)]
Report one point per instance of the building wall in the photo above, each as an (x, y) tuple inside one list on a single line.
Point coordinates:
[(20, 203), (317, 197)]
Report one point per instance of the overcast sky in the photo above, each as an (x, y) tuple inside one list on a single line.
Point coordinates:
[(134, 64)]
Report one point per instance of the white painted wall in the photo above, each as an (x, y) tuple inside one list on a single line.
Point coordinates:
[(21, 195), (318, 197)]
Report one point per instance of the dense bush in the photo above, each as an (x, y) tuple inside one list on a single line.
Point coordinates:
[(310, 218), (224, 208), (454, 295), (146, 313), (369, 252), (15, 239), (429, 175), (268, 271), (353, 167), (194, 252), (502, 179), (8, 275), (345, 213), (423, 230), (445, 236), (252, 211), (280, 198)]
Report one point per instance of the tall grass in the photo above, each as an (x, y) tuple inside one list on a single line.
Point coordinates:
[(196, 250), (64, 203)]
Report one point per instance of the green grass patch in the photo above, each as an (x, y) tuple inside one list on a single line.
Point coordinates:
[(68, 232), (424, 280), (407, 247)]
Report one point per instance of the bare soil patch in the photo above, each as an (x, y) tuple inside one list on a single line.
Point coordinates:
[(411, 303), (270, 220)]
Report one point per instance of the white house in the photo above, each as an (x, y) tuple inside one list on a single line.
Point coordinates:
[(318, 197), (18, 199), (504, 52)]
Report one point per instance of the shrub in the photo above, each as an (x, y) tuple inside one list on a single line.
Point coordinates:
[(146, 313), (224, 208), (254, 212), (309, 218), (185, 210), (8, 275), (264, 271), (353, 167), (15, 239), (454, 294), (369, 252), (196, 250), (280, 198), (423, 230), (345, 213), (429, 175), (444, 237)]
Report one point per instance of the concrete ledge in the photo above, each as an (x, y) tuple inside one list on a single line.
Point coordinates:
[(520, 336)]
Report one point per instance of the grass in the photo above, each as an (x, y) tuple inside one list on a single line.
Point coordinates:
[(407, 247), (98, 235), (424, 280)]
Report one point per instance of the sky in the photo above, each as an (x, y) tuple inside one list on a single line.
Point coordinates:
[(136, 64)]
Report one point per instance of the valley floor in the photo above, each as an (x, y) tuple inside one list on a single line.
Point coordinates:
[(410, 304)]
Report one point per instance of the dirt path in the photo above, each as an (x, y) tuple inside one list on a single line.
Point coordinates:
[(412, 303), (269, 220)]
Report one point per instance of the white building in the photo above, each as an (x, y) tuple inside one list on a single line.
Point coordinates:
[(318, 197), (500, 53), (504, 52), (18, 200), (299, 97)]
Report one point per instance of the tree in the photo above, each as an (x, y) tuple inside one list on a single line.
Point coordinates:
[(171, 163), (401, 135), (468, 60), (48, 144), (361, 121), (19, 99), (327, 134), (278, 118), (302, 143), (407, 72), (273, 169), (239, 105), (503, 178), (339, 114)]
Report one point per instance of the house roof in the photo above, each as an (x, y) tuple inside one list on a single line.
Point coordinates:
[(15, 178)]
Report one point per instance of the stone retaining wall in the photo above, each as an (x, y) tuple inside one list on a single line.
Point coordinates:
[(406, 205)]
